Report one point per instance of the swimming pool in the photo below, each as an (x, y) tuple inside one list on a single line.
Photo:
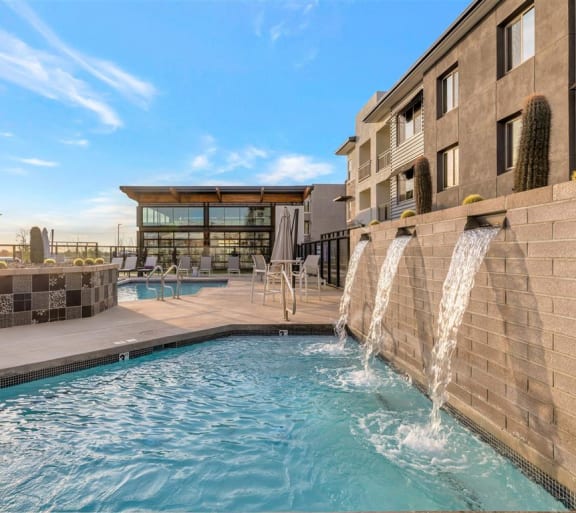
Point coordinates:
[(134, 291), (244, 424)]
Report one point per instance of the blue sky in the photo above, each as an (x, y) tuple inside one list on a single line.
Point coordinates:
[(98, 94)]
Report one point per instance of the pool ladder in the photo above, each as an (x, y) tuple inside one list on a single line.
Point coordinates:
[(163, 274)]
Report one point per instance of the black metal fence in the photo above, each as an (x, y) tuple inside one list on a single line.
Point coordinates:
[(334, 251), (67, 251)]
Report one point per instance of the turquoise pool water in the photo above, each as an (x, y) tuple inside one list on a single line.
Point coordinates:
[(134, 291), (244, 424)]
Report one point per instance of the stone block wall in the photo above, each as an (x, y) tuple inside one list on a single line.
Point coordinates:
[(47, 294), (514, 369)]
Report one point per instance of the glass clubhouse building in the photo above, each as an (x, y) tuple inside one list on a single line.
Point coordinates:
[(209, 220)]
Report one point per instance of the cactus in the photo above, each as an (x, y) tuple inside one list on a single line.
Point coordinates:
[(78, 261), (407, 213), (88, 261), (472, 198), (99, 261), (532, 165), (422, 185), (36, 246), (49, 261), (374, 222), (3, 265)]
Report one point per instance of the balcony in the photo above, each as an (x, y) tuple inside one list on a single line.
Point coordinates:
[(365, 170), (383, 212), (384, 160)]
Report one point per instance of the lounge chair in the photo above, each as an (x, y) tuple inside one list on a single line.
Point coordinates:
[(205, 265), (119, 261), (184, 266), (129, 265), (309, 270), (149, 264), (233, 265)]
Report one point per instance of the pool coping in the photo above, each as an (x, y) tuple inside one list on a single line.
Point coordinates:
[(129, 350)]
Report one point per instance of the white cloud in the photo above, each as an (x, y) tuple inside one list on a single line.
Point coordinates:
[(241, 159), (37, 162), (107, 72), (76, 142), (283, 19), (294, 169), (200, 162), (55, 75), (45, 75), (6, 134)]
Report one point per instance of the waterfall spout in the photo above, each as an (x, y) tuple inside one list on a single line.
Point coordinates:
[(340, 327), (466, 260), (387, 273)]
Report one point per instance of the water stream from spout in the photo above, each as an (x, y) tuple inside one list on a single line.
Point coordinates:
[(388, 272), (340, 327), (466, 260)]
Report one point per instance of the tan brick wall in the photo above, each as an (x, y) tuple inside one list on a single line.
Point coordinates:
[(514, 370)]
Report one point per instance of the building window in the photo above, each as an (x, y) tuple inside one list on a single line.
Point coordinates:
[(450, 167), (405, 185), (519, 39), (409, 121), (511, 135), (306, 227), (307, 206), (449, 92)]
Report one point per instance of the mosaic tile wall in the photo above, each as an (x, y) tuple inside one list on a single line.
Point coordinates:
[(56, 296)]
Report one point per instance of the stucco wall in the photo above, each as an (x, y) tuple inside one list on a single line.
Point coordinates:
[(486, 98), (514, 370)]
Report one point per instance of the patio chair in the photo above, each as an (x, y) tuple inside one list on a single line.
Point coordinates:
[(233, 265), (184, 265), (119, 261), (309, 270), (205, 265), (269, 274), (129, 265), (149, 264)]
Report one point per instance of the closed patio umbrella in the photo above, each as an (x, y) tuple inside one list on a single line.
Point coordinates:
[(283, 244)]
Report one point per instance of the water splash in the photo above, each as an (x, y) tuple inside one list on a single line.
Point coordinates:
[(340, 327), (387, 274), (466, 260)]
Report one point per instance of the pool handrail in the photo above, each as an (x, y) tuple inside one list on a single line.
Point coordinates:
[(174, 268), (285, 284)]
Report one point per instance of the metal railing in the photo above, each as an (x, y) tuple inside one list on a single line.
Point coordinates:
[(68, 251), (334, 251), (364, 170), (384, 160)]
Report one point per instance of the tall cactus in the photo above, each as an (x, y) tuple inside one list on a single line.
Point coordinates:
[(422, 185), (532, 165), (36, 246)]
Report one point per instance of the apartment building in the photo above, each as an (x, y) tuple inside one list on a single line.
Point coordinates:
[(460, 106)]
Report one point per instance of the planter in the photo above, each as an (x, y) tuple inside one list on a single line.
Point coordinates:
[(33, 295)]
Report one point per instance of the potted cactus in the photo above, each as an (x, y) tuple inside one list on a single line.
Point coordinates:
[(422, 185), (532, 166)]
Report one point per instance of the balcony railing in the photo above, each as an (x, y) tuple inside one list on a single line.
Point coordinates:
[(383, 212), (384, 160), (364, 170)]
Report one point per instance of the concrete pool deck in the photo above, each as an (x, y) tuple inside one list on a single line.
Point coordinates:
[(143, 324)]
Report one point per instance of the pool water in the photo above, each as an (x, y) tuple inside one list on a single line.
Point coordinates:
[(244, 424), (134, 291)]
